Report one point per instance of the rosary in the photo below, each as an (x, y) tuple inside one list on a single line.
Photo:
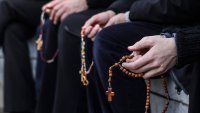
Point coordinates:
[(40, 41), (84, 73), (110, 93)]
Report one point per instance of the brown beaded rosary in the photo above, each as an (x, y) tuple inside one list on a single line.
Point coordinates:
[(110, 93), (40, 41)]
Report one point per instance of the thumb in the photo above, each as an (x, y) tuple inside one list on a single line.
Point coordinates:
[(140, 45)]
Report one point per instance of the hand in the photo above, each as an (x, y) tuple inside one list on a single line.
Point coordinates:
[(60, 9), (157, 55), (96, 23), (117, 19)]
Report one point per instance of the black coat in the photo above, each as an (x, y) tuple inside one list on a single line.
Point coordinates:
[(166, 11)]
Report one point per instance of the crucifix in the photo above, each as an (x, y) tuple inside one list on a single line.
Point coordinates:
[(110, 94)]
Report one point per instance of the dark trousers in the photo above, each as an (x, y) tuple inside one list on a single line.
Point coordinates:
[(18, 22), (109, 46), (62, 91)]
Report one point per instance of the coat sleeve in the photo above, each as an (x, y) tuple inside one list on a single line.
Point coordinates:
[(188, 45), (165, 11)]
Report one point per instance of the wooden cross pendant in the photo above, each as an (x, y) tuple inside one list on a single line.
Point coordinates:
[(110, 94)]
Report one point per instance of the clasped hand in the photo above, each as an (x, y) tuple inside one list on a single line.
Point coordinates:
[(154, 55), (99, 21), (60, 9)]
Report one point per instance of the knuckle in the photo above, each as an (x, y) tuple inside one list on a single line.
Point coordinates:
[(147, 39)]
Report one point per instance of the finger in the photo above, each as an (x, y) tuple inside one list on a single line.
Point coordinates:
[(54, 10), (87, 30), (145, 68), (95, 36), (50, 5), (48, 11), (90, 22), (146, 42), (94, 31), (64, 15), (93, 39), (133, 59), (152, 73), (99, 29), (59, 13), (145, 59), (135, 53)]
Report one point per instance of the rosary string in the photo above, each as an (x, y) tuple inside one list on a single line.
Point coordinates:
[(40, 42)]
